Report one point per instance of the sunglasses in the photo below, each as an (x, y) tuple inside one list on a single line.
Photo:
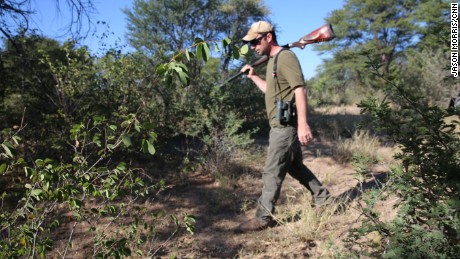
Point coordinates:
[(256, 41)]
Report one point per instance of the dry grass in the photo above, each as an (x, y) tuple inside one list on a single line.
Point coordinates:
[(309, 233), (312, 233), (362, 143), (221, 200), (333, 123)]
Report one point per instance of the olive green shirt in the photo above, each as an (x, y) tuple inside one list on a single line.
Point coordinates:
[(289, 76)]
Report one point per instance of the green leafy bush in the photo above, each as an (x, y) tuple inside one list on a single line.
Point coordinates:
[(54, 188), (427, 181)]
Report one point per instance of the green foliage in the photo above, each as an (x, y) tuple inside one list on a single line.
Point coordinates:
[(423, 72), (434, 15), (223, 141), (78, 126), (49, 86), (182, 42), (176, 69), (159, 28), (386, 27), (122, 85), (56, 187), (391, 30), (427, 182)]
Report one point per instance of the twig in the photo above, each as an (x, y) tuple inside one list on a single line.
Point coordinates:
[(69, 240), (164, 243)]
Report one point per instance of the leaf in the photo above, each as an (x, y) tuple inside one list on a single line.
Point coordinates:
[(172, 65), (153, 136), (197, 41), (226, 42), (199, 51), (76, 129), (127, 140), (182, 66), (183, 77), (28, 171), (161, 69), (244, 50), (187, 54), (137, 127), (235, 53), (121, 166), (76, 204), (144, 146), (181, 71), (36, 193), (176, 221), (97, 120), (151, 148), (7, 150), (97, 140), (3, 168), (16, 139), (207, 52)]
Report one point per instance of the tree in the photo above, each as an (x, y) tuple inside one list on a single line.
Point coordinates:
[(16, 14), (435, 16), (427, 181), (383, 31), (385, 27), (236, 14), (165, 30), (158, 27), (47, 84)]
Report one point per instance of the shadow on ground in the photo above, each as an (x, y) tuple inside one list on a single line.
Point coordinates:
[(218, 207)]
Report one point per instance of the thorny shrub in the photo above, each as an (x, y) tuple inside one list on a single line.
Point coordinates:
[(427, 181), (89, 188)]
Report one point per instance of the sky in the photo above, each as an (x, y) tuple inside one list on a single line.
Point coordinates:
[(294, 19)]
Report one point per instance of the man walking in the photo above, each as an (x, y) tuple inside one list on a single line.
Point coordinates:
[(286, 104)]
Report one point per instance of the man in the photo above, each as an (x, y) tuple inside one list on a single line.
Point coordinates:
[(288, 132)]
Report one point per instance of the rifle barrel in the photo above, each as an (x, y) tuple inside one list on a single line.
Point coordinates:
[(257, 63)]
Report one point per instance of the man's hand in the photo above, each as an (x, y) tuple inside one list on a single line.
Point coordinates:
[(304, 134), (248, 70)]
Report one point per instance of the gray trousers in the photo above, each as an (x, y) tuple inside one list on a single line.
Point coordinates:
[(285, 156)]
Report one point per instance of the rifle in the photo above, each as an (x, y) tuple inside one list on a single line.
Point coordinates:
[(323, 33)]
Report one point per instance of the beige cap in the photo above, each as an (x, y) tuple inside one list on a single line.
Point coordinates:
[(257, 28)]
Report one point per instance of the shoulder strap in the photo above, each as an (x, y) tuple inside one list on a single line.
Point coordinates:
[(275, 63)]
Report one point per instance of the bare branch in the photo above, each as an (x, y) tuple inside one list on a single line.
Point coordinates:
[(16, 14)]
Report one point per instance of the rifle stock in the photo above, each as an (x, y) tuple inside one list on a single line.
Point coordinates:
[(323, 33)]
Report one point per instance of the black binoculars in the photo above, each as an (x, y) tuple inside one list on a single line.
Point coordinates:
[(285, 110)]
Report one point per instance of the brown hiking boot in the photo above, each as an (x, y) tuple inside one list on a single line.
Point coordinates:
[(254, 224)]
